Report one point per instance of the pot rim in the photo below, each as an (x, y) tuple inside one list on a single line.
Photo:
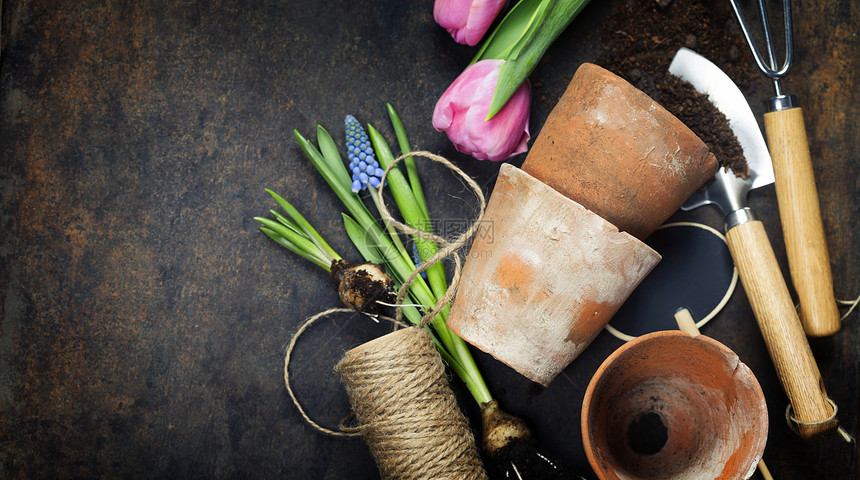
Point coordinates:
[(587, 443)]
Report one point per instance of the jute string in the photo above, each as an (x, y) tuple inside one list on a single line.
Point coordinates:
[(848, 303), (396, 384), (344, 431), (446, 248), (794, 423), (406, 411)]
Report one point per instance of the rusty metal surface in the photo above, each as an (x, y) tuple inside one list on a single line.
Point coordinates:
[(142, 316)]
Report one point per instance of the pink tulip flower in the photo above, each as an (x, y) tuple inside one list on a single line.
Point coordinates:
[(462, 110), (467, 20)]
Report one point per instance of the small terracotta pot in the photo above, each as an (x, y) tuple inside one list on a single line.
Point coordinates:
[(611, 148), (668, 405), (543, 277)]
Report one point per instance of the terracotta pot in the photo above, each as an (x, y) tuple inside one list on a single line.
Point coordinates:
[(543, 277), (615, 151), (670, 406)]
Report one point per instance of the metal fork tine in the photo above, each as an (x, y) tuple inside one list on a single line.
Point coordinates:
[(769, 68), (768, 37)]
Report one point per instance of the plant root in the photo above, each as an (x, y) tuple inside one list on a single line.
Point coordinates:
[(512, 450)]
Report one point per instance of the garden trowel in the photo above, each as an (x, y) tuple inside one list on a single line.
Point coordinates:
[(812, 411)]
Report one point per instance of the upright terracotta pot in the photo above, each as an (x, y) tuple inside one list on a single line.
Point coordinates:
[(670, 406), (543, 277), (618, 153)]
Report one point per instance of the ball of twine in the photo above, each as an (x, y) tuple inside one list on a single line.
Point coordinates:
[(406, 410)]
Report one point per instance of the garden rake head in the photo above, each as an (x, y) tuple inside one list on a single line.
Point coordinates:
[(768, 66)]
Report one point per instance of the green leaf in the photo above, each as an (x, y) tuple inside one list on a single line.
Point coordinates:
[(548, 20), (305, 226), (411, 170), (537, 21), (393, 234), (284, 242), (344, 192), (286, 222), (297, 239), (358, 235), (400, 188), (332, 157), (329, 174), (510, 31)]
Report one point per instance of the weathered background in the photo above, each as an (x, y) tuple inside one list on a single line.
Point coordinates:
[(143, 317)]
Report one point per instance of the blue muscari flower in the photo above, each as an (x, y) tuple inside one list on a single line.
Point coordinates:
[(362, 162), (416, 257)]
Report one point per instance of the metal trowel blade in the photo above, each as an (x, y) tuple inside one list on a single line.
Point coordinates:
[(708, 79)]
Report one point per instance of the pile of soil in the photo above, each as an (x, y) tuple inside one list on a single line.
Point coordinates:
[(641, 41)]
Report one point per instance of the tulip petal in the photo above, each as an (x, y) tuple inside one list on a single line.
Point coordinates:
[(451, 15), (462, 110), (481, 16), (467, 21), (458, 98)]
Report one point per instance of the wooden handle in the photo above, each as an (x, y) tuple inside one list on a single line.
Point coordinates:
[(780, 326), (686, 322), (805, 243)]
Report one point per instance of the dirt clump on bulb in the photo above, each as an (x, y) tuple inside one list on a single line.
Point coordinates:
[(512, 450), (362, 286)]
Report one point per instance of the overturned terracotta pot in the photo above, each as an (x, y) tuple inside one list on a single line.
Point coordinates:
[(670, 406), (615, 151), (543, 277)]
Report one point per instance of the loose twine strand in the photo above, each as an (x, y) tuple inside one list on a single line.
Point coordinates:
[(794, 423), (846, 303), (852, 304), (448, 249), (345, 431)]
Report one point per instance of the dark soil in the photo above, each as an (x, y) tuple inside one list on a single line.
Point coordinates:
[(530, 463), (642, 39), (700, 115)]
